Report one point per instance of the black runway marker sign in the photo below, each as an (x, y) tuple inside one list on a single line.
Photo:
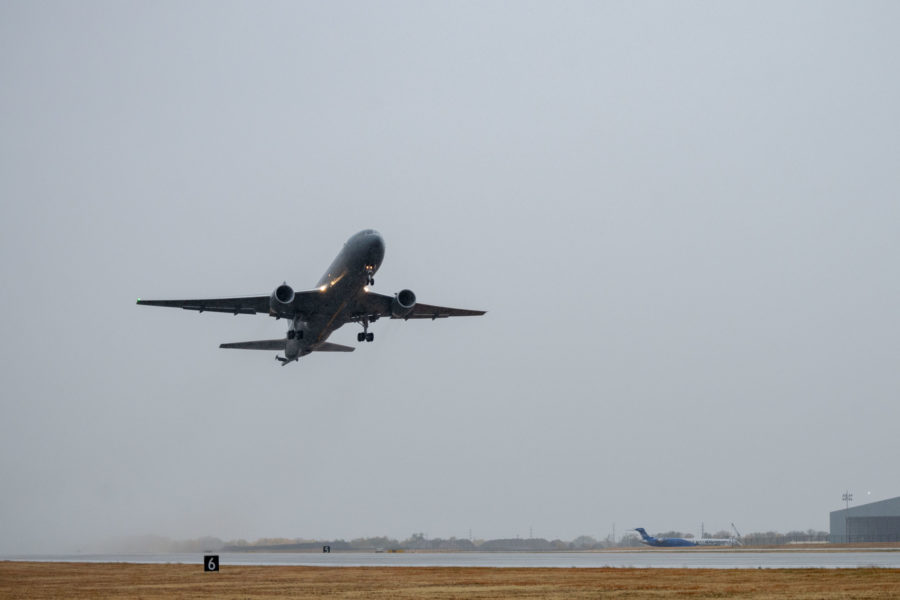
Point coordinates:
[(211, 562)]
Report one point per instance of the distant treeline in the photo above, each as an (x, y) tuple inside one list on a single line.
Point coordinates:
[(418, 541)]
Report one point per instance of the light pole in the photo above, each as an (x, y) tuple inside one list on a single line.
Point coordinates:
[(848, 498)]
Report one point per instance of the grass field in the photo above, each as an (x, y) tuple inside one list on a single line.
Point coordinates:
[(122, 580)]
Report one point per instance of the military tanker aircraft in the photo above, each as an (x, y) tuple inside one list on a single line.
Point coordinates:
[(342, 295)]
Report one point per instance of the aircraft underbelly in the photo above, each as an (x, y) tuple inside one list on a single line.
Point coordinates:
[(335, 310), (292, 349)]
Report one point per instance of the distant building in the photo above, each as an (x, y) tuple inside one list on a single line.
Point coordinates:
[(874, 522)]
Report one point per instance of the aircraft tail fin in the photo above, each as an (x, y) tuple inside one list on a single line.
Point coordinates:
[(643, 533), (256, 345), (329, 347)]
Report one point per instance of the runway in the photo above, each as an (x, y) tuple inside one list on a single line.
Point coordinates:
[(663, 559)]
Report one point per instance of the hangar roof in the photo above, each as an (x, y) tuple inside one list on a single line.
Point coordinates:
[(882, 508)]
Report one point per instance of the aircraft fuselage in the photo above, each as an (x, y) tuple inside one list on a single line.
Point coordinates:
[(350, 273)]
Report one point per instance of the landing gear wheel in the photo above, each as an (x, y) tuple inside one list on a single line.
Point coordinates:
[(365, 335)]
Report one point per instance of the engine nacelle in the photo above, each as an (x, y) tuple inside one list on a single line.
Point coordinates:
[(403, 303), (281, 300)]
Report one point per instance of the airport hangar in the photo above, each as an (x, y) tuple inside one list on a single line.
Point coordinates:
[(874, 522)]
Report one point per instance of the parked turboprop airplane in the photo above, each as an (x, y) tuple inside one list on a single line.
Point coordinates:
[(341, 296), (670, 542)]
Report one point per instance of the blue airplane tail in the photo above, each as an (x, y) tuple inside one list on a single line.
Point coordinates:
[(643, 533)]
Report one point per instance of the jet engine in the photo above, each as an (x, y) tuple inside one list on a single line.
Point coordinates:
[(281, 300), (403, 303)]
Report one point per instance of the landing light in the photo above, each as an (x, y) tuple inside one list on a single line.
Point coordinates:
[(323, 288), (366, 289)]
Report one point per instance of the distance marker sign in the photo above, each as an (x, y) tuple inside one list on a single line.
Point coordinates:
[(211, 562)]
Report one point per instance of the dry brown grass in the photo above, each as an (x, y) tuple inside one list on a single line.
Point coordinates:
[(122, 580)]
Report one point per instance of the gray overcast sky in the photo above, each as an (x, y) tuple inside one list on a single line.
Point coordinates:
[(682, 217)]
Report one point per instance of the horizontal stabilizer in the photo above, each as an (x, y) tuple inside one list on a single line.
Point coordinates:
[(257, 345), (329, 347)]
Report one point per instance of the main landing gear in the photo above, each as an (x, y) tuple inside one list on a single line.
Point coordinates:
[(296, 330), (365, 335)]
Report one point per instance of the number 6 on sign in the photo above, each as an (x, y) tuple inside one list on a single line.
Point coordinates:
[(211, 562)]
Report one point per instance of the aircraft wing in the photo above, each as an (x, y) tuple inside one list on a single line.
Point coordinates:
[(305, 304), (244, 305), (308, 303), (379, 305)]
